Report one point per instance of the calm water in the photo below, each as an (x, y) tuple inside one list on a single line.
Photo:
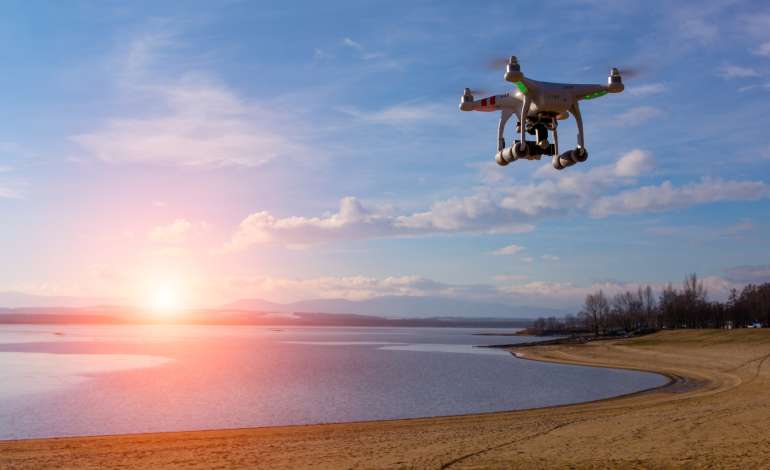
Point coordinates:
[(85, 380)]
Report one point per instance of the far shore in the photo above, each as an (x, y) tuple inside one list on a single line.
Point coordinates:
[(712, 414)]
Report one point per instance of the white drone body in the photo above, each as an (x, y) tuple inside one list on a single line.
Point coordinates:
[(539, 106)]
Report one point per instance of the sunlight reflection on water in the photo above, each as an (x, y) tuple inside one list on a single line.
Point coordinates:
[(33, 372)]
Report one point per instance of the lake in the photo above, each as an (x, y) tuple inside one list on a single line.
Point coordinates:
[(88, 380)]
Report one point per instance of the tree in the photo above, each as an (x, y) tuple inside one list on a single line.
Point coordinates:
[(674, 308), (596, 312)]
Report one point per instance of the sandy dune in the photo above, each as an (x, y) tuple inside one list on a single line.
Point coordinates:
[(716, 415)]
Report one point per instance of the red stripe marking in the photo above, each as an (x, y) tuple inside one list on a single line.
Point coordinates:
[(492, 101), (484, 103)]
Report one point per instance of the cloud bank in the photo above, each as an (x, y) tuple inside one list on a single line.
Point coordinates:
[(563, 295), (500, 210)]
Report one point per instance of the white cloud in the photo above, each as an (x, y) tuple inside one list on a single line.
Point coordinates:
[(204, 125), (637, 116), (399, 114), (646, 89), (10, 148), (143, 51), (560, 293), (10, 188), (511, 289), (508, 250), (350, 288), (352, 44), (173, 233), (666, 230), (757, 24), (176, 232), (194, 121), (764, 86), (508, 289), (504, 278), (320, 54), (667, 196), (548, 257), (699, 29), (573, 190), (763, 49), (354, 221), (703, 232), (570, 295), (544, 171), (365, 54), (489, 173), (749, 273), (480, 212), (634, 163), (737, 71), (739, 227), (7, 192)]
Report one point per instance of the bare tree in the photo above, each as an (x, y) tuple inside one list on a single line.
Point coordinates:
[(595, 312), (650, 308), (674, 308)]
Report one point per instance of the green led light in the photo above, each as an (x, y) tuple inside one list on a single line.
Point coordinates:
[(595, 94), (521, 86)]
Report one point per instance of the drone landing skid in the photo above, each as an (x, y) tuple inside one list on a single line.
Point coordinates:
[(517, 152)]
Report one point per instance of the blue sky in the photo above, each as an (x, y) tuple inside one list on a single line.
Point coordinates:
[(316, 150)]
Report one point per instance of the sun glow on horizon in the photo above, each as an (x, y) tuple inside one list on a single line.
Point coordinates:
[(165, 298)]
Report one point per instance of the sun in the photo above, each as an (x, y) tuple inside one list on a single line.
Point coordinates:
[(165, 298)]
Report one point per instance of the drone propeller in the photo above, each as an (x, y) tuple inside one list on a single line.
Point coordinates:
[(630, 72), (497, 63), (478, 91)]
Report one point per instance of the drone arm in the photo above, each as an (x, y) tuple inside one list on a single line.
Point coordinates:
[(526, 102), (556, 140), (589, 92), (504, 116)]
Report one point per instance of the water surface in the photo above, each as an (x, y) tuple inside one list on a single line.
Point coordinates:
[(88, 380)]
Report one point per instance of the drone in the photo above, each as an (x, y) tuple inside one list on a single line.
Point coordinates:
[(539, 106)]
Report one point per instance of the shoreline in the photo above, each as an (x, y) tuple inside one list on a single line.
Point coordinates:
[(713, 375)]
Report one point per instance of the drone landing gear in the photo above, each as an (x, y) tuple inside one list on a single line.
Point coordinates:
[(579, 154), (529, 150), (569, 158)]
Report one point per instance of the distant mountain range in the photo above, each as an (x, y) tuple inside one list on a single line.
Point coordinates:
[(399, 307)]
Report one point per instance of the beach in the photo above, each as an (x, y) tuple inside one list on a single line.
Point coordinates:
[(714, 413)]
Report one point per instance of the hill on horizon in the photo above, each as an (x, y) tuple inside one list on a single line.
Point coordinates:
[(400, 306)]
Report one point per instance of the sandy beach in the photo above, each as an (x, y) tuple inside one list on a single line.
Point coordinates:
[(714, 414)]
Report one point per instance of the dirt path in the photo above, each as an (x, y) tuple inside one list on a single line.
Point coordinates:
[(715, 415)]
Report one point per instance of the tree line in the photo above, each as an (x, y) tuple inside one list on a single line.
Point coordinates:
[(685, 307)]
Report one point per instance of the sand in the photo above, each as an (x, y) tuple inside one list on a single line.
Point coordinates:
[(715, 415)]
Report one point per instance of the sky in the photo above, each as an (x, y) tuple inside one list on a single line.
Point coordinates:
[(300, 150)]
